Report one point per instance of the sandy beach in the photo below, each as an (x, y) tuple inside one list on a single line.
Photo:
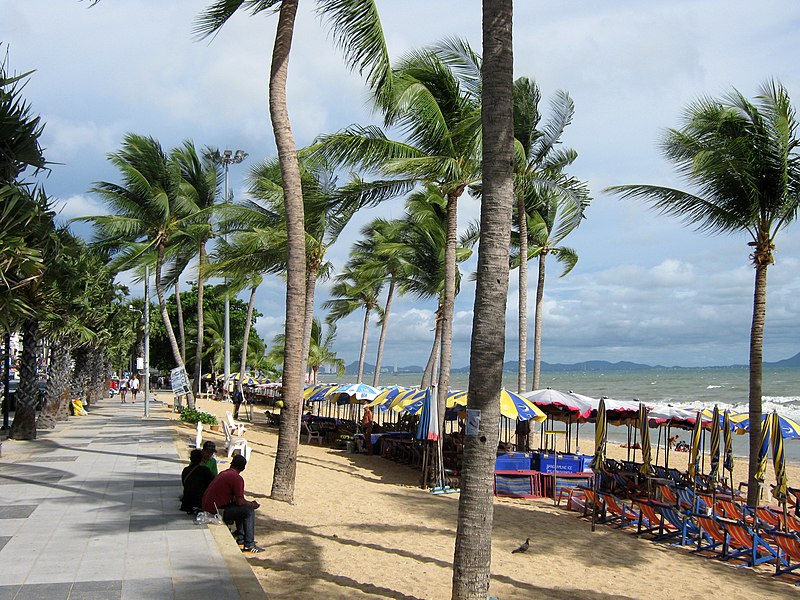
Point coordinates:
[(362, 528)]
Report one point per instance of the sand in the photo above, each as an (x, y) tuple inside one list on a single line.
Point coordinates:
[(362, 528)]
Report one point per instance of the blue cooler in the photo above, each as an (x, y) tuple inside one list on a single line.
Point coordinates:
[(550, 462), (513, 461), (586, 463)]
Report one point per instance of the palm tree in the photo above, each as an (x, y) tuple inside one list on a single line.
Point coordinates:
[(541, 188), (202, 182), (358, 32), (148, 209), (355, 288), (434, 99), (743, 158), (381, 250), (473, 548)]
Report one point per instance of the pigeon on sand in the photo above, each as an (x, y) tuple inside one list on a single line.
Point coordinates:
[(523, 547)]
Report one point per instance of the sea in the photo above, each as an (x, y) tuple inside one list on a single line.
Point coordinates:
[(694, 388)]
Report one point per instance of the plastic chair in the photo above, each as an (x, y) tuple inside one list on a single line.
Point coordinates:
[(312, 435), (237, 428), (232, 442)]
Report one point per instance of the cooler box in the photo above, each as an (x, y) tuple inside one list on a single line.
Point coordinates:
[(586, 463), (513, 461), (562, 463)]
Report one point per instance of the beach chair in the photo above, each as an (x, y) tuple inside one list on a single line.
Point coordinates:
[(715, 535), (678, 524), (237, 427), (768, 519), (691, 502), (591, 501), (788, 552), (311, 435), (617, 511), (233, 442), (666, 493), (732, 510), (746, 544), (649, 520)]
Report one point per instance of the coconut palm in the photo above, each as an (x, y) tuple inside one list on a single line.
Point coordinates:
[(473, 547), (743, 159), (434, 99), (551, 202), (202, 182), (357, 30), (355, 288), (382, 250), (147, 211)]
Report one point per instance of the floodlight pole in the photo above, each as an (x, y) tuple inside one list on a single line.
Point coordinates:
[(227, 158)]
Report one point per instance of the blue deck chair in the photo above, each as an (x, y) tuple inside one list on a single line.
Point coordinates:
[(682, 526), (745, 544)]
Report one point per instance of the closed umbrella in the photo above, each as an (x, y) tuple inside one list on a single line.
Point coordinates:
[(715, 430), (763, 449), (645, 435), (779, 461), (599, 460), (727, 431), (694, 450)]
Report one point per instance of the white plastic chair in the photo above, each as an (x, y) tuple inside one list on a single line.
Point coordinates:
[(237, 428), (232, 442), (311, 435)]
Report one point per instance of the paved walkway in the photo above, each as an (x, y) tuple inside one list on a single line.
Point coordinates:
[(90, 511)]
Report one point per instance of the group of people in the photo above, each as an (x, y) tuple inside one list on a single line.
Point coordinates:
[(204, 489), (129, 383)]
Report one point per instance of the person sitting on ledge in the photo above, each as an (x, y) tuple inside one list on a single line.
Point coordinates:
[(195, 479), (209, 450), (226, 494)]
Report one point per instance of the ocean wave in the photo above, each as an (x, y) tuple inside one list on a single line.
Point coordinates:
[(713, 387)]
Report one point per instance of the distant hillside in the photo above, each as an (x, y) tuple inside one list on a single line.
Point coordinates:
[(589, 365)]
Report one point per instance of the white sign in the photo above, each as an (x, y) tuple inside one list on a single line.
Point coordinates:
[(179, 381), (473, 421), (139, 364)]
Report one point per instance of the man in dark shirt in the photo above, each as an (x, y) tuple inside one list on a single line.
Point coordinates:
[(195, 478), (226, 494)]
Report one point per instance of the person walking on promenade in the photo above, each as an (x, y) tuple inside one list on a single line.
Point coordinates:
[(123, 388), (366, 428), (226, 494), (134, 385)]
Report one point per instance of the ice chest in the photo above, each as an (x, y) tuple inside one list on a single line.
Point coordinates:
[(513, 461), (549, 462)]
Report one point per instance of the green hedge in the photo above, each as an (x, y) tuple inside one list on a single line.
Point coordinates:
[(192, 415)]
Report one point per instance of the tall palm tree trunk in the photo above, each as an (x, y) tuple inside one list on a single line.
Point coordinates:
[(308, 318), (198, 355), (246, 338), (24, 425), (522, 217), (181, 332), (362, 355), (162, 304), (384, 328), (283, 481), (537, 322), (448, 305), (427, 374), (756, 359), (57, 390), (473, 548)]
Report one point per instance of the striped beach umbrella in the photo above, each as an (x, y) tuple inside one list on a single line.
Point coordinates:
[(647, 455), (694, 449), (727, 432), (779, 461), (600, 434), (512, 405), (386, 396), (763, 449), (715, 430), (789, 428)]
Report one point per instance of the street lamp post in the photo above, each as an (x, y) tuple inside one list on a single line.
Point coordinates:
[(146, 318), (227, 158)]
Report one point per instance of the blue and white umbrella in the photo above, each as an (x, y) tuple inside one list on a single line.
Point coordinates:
[(428, 428), (358, 392)]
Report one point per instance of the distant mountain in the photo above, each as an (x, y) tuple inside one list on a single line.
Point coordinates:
[(589, 365), (787, 362)]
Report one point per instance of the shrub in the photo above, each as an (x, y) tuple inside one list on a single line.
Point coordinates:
[(192, 415)]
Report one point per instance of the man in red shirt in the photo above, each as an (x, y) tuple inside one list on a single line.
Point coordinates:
[(226, 494)]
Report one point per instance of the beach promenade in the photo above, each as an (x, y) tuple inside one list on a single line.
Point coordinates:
[(89, 511)]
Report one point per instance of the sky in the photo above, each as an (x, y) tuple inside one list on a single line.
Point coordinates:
[(646, 288)]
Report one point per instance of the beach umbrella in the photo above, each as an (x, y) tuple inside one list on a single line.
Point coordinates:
[(727, 433), (322, 392), (763, 449), (715, 431), (512, 405), (387, 395), (779, 461), (645, 443), (428, 428), (357, 391), (560, 404), (599, 460), (404, 399), (694, 450), (789, 428)]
